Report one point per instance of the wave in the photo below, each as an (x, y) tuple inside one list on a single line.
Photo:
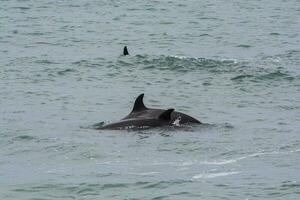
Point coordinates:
[(182, 64), (238, 69), (233, 70), (276, 75)]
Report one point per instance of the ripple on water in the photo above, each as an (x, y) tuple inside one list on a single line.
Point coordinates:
[(21, 8), (284, 188), (24, 137), (94, 189), (263, 77), (277, 75), (66, 71), (46, 62), (246, 46)]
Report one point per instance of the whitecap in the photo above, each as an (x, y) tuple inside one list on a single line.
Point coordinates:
[(213, 175), (144, 173), (221, 162), (180, 57), (295, 151)]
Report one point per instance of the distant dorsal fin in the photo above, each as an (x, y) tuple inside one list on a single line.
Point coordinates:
[(125, 51), (166, 115), (139, 104)]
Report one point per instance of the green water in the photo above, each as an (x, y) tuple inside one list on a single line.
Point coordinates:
[(231, 64)]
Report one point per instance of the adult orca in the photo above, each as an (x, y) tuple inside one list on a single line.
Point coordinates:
[(141, 111), (142, 117), (140, 122)]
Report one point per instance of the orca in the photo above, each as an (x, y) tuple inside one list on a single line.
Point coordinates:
[(162, 120), (142, 117), (125, 51), (140, 110)]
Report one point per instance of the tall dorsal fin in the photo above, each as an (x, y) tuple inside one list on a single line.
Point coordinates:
[(125, 51), (139, 104), (166, 115)]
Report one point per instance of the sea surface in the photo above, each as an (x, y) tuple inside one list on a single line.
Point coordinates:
[(234, 65)]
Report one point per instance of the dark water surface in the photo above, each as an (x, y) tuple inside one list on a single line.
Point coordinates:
[(232, 64)]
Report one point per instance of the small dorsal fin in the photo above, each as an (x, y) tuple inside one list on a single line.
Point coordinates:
[(166, 115), (125, 51), (139, 104)]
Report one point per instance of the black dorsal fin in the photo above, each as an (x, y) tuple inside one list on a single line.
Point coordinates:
[(125, 51), (139, 104), (166, 115)]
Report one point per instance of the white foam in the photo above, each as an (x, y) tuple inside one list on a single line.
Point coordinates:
[(224, 162), (221, 162), (213, 175), (144, 173), (180, 57), (295, 151), (235, 61)]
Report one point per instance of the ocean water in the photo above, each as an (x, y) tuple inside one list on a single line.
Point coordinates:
[(234, 65)]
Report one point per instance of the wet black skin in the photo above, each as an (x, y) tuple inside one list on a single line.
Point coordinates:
[(141, 116), (125, 51), (162, 120), (141, 111)]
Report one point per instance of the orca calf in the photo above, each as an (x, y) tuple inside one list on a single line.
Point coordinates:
[(142, 117)]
